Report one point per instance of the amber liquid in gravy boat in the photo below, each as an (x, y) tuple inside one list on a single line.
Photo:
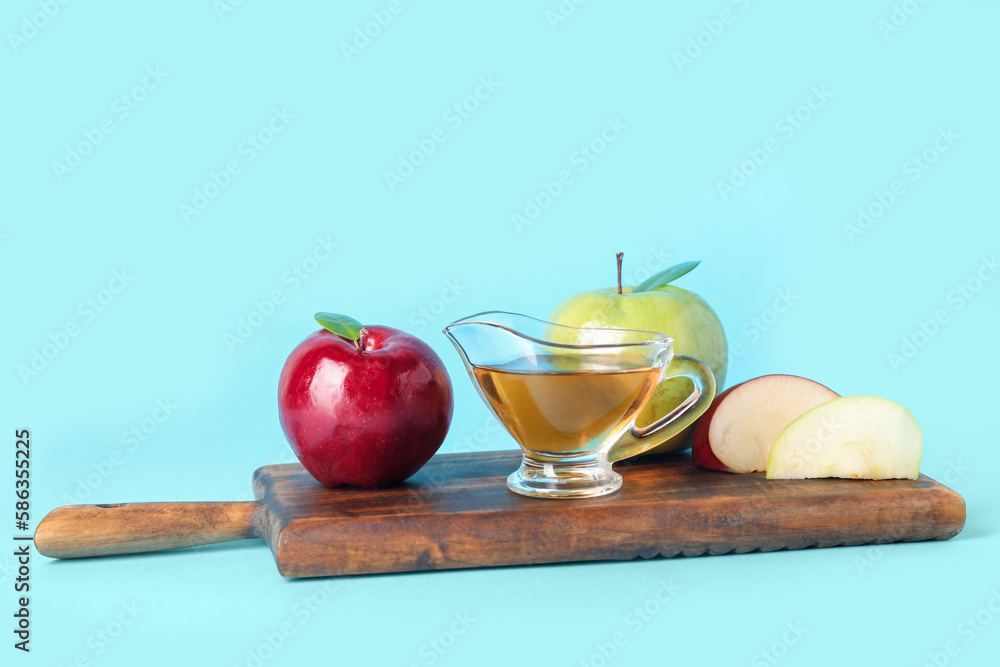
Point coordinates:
[(567, 405)]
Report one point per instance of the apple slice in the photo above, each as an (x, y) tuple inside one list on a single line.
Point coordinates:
[(860, 437), (736, 433)]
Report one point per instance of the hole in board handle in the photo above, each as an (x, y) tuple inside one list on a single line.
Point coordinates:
[(109, 506)]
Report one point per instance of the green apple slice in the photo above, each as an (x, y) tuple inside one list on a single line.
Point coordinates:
[(858, 437)]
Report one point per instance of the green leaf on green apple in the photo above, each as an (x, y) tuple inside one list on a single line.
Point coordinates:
[(666, 276), (342, 325)]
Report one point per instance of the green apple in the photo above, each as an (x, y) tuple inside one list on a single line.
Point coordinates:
[(655, 305), (858, 437)]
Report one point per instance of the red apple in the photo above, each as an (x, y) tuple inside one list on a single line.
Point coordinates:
[(367, 406), (736, 432)]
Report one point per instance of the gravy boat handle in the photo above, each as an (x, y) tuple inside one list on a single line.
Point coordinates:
[(638, 440)]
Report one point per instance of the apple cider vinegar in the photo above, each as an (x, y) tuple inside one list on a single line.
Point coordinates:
[(566, 404), (570, 396)]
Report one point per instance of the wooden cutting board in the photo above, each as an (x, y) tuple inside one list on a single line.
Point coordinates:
[(457, 513)]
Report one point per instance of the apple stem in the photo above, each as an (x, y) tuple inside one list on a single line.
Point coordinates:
[(362, 339), (619, 256)]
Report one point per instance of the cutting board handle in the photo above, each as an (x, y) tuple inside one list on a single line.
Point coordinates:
[(81, 531)]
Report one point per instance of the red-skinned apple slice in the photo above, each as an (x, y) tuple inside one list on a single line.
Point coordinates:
[(736, 433)]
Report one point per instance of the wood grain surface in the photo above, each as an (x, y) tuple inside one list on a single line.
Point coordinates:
[(458, 513), (83, 531)]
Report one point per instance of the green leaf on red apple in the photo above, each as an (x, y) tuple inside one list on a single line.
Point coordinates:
[(342, 325), (666, 276)]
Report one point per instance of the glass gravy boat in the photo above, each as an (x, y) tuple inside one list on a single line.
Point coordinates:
[(570, 396)]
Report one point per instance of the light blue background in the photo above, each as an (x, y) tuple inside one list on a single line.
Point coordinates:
[(653, 194)]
